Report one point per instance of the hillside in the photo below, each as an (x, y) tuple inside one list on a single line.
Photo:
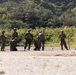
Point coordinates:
[(57, 7), (40, 13)]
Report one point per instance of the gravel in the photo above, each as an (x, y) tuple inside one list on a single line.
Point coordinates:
[(48, 62)]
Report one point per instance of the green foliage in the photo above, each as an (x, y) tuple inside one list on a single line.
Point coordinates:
[(51, 35), (74, 11), (37, 13)]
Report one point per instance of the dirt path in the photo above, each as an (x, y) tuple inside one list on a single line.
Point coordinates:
[(49, 51), (48, 62)]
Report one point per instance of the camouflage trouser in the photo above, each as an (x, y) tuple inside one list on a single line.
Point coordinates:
[(36, 45), (41, 43), (63, 43), (3, 46), (28, 43), (13, 46)]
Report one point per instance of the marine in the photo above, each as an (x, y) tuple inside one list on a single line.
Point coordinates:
[(41, 41), (3, 40), (13, 42), (62, 37), (28, 37), (36, 43)]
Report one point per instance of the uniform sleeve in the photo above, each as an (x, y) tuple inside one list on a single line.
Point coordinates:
[(38, 37), (0, 37), (64, 36), (17, 35)]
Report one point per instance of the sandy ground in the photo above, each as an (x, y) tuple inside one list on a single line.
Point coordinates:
[(52, 61)]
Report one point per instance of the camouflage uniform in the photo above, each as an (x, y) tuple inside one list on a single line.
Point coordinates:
[(36, 43), (41, 41), (3, 40), (28, 37), (62, 37), (13, 42)]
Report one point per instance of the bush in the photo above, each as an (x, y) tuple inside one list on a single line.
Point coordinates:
[(51, 35)]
